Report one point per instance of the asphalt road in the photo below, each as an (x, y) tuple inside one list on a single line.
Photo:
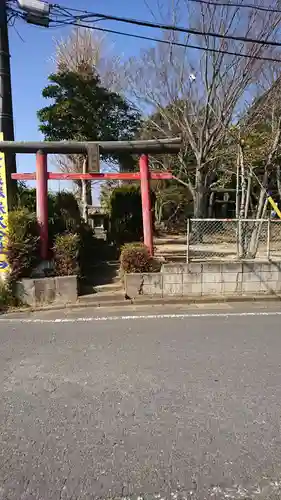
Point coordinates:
[(174, 405)]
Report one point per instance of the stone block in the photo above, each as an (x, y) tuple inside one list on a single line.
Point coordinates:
[(172, 289), (45, 290), (251, 272), (270, 272), (251, 278), (231, 284), (143, 284), (172, 284), (267, 287), (211, 268), (133, 285), (231, 278), (192, 278), (173, 268), (253, 287), (192, 288), (194, 268), (66, 289), (211, 279), (25, 292), (212, 288), (152, 284), (172, 278), (231, 268)]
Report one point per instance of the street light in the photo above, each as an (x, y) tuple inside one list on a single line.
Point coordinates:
[(36, 7), (37, 11)]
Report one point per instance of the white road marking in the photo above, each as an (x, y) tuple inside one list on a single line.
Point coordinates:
[(214, 306), (141, 317)]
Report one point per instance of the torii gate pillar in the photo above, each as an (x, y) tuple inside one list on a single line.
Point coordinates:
[(42, 201), (146, 203)]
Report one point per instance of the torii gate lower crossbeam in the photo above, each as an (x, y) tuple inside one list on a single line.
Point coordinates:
[(42, 176)]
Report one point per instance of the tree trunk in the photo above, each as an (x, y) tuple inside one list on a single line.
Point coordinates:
[(199, 196), (243, 185), (260, 213), (248, 195), (225, 205), (211, 205), (237, 199), (244, 209), (278, 180), (80, 196), (158, 211), (89, 196), (254, 244), (200, 206)]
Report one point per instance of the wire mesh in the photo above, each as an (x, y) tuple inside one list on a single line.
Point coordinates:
[(234, 239), (275, 240), (212, 239)]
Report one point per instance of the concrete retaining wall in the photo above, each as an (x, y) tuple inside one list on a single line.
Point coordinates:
[(43, 291), (207, 279)]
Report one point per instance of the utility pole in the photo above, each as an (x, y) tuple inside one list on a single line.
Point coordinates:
[(36, 12), (6, 106)]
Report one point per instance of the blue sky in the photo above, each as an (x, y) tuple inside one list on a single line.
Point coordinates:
[(31, 50)]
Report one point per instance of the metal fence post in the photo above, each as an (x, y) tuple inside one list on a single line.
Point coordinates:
[(187, 240), (268, 239)]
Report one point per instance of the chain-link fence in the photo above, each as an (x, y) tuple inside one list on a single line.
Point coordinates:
[(233, 239)]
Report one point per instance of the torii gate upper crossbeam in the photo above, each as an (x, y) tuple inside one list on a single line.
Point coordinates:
[(153, 146)]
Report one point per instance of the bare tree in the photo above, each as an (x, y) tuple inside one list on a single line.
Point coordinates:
[(259, 157), (201, 93), (87, 53)]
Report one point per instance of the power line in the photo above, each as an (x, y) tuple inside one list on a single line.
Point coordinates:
[(177, 44), (206, 2), (243, 5), (76, 21), (67, 22), (136, 22)]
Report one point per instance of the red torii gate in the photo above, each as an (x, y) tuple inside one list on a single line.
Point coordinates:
[(91, 149)]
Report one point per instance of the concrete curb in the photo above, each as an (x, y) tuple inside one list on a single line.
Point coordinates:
[(146, 301)]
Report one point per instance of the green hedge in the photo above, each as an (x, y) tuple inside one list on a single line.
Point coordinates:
[(23, 244), (66, 254), (71, 242), (6, 297), (135, 258), (125, 215)]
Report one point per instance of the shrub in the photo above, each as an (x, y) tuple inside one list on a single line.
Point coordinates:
[(6, 297), (64, 215), (87, 250), (23, 244), (66, 254), (125, 214), (63, 210), (67, 210), (135, 258)]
